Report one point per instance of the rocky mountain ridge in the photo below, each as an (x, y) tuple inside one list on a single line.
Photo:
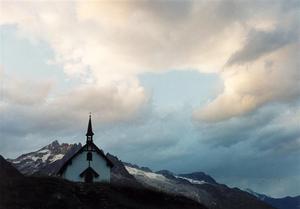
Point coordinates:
[(46, 160), (197, 186), (280, 203), (212, 195)]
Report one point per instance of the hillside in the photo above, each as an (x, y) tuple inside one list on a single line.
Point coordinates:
[(19, 192), (197, 186), (7, 171)]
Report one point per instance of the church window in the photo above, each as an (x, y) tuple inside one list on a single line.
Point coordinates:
[(89, 156)]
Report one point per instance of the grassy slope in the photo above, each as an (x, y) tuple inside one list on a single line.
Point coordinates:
[(54, 193)]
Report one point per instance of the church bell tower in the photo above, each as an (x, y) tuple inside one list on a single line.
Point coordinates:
[(89, 140)]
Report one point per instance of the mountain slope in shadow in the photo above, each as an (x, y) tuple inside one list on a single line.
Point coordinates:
[(36, 192)]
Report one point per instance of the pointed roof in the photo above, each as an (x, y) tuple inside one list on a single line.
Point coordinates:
[(90, 128), (90, 170), (82, 149)]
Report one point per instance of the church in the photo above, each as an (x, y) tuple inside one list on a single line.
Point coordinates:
[(89, 164)]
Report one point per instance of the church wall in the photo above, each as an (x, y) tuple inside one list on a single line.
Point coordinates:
[(79, 164)]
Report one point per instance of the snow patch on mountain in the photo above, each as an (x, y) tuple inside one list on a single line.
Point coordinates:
[(46, 157), (145, 174), (192, 180), (139, 172), (56, 157), (173, 186), (254, 193), (43, 151)]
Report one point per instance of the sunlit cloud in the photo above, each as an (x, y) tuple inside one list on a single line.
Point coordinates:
[(113, 42)]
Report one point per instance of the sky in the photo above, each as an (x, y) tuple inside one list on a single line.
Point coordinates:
[(187, 86)]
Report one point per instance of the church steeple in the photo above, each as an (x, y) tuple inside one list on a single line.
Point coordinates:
[(90, 128), (89, 133)]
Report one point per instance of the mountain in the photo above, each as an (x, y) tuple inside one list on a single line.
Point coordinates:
[(45, 160), (279, 203), (35, 192), (197, 186), (119, 174), (7, 170)]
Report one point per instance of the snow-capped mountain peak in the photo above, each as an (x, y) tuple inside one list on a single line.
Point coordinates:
[(36, 161)]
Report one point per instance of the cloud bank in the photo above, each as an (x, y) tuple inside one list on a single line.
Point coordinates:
[(111, 42)]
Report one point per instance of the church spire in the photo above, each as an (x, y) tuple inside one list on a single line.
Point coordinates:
[(90, 128), (89, 133)]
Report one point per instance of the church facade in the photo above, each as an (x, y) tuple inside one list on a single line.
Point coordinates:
[(89, 164)]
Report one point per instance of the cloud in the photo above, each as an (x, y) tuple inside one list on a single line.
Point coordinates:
[(264, 70), (272, 78), (282, 136), (24, 92), (273, 128), (103, 37), (109, 103), (111, 42), (262, 42), (28, 112), (259, 147)]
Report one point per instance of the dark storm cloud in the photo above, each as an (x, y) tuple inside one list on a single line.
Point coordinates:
[(236, 129), (238, 152), (260, 43), (154, 136), (278, 139)]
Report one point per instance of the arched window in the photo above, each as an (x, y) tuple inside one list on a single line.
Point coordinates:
[(89, 156)]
